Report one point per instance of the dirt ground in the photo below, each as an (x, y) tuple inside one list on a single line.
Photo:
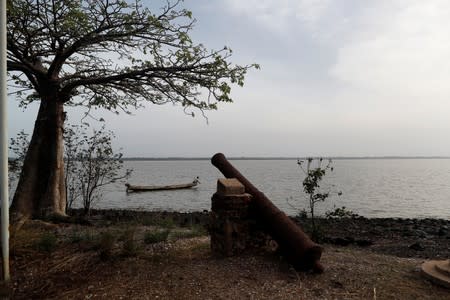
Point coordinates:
[(78, 262)]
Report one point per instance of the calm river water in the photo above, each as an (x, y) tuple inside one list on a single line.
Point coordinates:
[(410, 188)]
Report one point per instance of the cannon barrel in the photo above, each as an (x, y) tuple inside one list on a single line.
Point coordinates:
[(298, 249)]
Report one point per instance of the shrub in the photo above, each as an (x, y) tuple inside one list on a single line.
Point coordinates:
[(75, 237), (47, 242), (194, 231), (129, 246), (311, 186), (340, 213), (105, 245), (167, 223), (153, 237)]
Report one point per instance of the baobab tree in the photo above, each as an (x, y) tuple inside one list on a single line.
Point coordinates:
[(110, 54)]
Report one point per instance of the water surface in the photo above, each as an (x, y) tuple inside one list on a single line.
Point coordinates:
[(370, 187)]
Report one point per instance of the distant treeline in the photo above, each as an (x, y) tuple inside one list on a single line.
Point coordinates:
[(281, 158), (270, 158)]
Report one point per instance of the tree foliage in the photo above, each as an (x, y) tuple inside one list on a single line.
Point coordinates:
[(115, 54)]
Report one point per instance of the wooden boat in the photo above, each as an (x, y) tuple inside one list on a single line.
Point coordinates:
[(149, 188)]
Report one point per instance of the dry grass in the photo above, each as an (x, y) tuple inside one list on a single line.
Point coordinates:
[(185, 269)]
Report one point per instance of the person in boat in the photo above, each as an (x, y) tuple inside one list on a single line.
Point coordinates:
[(196, 180)]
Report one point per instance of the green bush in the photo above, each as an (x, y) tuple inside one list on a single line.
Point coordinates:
[(194, 231), (86, 239), (129, 246), (47, 242), (75, 237), (105, 245), (340, 213), (152, 237)]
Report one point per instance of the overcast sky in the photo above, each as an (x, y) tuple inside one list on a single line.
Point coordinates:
[(337, 78)]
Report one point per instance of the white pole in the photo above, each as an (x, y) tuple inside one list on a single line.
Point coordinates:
[(4, 197)]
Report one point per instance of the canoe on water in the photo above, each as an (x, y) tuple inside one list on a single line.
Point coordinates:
[(149, 188)]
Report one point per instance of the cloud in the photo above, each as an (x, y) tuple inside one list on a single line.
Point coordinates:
[(401, 48), (278, 16)]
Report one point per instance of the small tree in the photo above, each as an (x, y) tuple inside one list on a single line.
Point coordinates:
[(90, 162), (72, 143), (93, 164), (311, 185)]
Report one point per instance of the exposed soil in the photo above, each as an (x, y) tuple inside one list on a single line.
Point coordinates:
[(379, 261)]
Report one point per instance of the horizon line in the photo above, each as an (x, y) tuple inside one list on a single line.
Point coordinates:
[(286, 157)]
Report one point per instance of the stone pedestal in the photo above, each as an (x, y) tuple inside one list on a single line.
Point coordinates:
[(229, 220), (437, 271)]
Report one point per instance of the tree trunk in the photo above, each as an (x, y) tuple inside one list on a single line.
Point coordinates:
[(41, 188)]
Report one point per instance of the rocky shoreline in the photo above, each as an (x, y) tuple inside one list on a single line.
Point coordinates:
[(420, 238)]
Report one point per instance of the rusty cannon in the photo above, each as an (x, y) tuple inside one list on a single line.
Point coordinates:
[(297, 248)]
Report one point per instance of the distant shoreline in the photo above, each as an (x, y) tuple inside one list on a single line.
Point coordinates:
[(277, 158), (282, 158)]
